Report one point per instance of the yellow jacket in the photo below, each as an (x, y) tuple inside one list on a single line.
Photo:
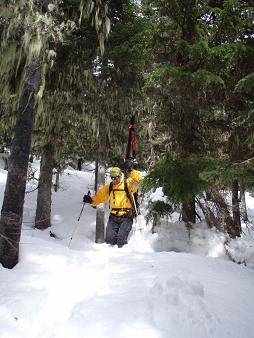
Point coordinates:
[(118, 198)]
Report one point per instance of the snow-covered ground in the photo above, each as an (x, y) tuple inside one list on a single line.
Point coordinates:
[(168, 285)]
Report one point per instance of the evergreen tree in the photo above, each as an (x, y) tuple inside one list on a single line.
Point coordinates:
[(196, 49), (27, 24), (34, 26)]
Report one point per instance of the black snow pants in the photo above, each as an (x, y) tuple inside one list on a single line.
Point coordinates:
[(118, 229)]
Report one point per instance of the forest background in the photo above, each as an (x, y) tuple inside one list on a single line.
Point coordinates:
[(73, 72)]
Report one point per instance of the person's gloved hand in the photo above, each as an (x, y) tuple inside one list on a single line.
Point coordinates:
[(130, 164), (87, 199)]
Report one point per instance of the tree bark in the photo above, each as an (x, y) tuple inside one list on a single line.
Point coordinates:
[(96, 175), (243, 204), (13, 203), (235, 205), (43, 209), (230, 227), (189, 211), (100, 211), (80, 162), (210, 218), (57, 181)]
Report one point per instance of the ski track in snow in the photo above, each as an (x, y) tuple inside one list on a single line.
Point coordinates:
[(113, 293), (92, 290)]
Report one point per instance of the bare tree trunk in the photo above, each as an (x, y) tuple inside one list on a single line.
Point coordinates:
[(13, 203), (57, 181), (79, 166), (235, 205), (43, 209), (189, 211), (100, 210), (243, 204), (210, 218), (230, 227), (96, 175)]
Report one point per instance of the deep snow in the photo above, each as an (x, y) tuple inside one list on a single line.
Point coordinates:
[(166, 285)]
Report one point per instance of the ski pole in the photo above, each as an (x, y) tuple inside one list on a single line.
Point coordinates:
[(75, 228), (136, 211), (83, 206), (81, 211)]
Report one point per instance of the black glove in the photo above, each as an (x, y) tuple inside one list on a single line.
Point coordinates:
[(130, 164), (87, 199)]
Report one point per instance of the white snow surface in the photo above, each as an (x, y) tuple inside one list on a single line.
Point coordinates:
[(172, 284)]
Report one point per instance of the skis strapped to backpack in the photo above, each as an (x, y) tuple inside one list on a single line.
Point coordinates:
[(131, 148), (131, 144), (131, 155)]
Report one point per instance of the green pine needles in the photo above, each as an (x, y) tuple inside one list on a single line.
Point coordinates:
[(183, 179), (158, 210)]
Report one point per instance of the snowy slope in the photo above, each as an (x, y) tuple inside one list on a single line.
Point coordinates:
[(79, 289)]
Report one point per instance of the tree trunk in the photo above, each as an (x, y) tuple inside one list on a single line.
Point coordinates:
[(235, 205), (100, 211), (230, 227), (243, 204), (43, 209), (57, 181), (210, 218), (79, 166), (189, 211), (13, 203), (96, 175)]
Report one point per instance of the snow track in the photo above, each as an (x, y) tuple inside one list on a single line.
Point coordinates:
[(96, 291)]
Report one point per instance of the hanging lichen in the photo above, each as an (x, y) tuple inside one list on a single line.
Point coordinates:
[(97, 10), (26, 33)]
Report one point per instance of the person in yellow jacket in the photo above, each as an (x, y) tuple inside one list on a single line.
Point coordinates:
[(119, 192)]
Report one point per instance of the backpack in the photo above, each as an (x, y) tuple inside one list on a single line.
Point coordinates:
[(135, 195)]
